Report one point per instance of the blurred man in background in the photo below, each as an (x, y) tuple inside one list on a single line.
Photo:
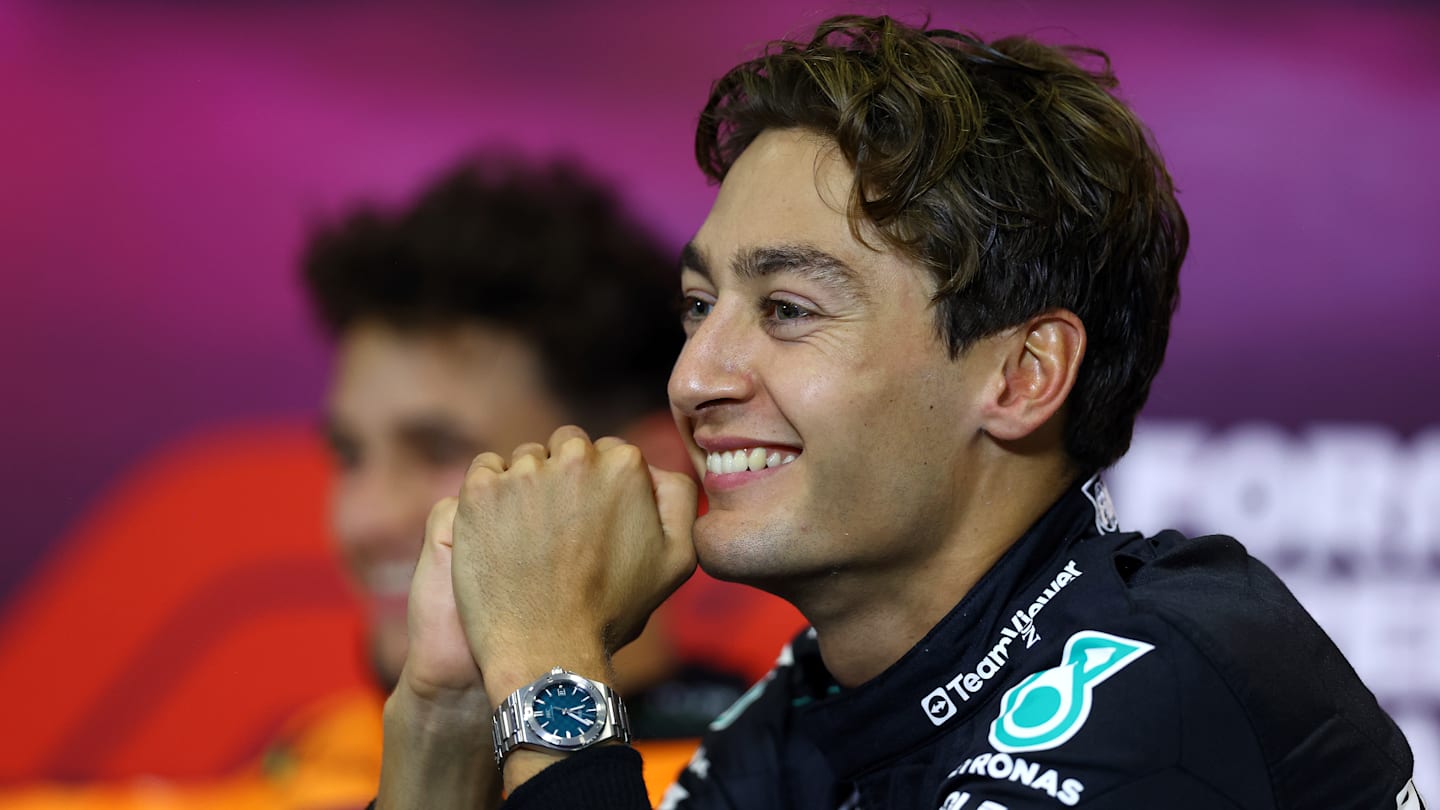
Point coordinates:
[(510, 299)]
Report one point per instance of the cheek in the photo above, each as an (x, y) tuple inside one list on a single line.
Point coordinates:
[(875, 394), (901, 410), (346, 517)]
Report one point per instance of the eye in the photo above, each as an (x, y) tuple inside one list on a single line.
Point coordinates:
[(779, 311), (344, 453), (695, 308), (445, 451), (786, 310)]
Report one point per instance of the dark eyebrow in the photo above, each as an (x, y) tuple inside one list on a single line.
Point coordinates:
[(801, 260), (436, 428), (692, 259)]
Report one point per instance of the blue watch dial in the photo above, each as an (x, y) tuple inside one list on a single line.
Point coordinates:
[(565, 710)]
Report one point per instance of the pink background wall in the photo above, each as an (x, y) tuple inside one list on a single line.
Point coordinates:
[(160, 161)]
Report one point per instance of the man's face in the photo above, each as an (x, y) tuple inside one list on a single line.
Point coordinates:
[(408, 411), (807, 344)]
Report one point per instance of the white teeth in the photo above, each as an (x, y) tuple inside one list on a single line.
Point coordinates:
[(754, 459)]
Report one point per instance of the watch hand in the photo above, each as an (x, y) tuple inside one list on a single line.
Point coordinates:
[(572, 713)]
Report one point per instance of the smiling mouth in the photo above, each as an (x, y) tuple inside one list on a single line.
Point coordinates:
[(743, 460)]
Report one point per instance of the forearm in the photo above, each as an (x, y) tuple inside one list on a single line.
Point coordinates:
[(438, 754)]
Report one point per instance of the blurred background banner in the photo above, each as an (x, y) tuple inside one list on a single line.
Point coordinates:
[(161, 163)]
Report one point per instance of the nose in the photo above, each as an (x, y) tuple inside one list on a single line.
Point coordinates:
[(714, 367)]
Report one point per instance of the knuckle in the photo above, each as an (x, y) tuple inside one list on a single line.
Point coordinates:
[(525, 464), (574, 447), (565, 433), (443, 512), (478, 481), (485, 461), (626, 455), (606, 442), (528, 449), (439, 523)]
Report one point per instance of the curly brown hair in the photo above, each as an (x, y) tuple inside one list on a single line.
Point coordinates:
[(1007, 169), (544, 250)]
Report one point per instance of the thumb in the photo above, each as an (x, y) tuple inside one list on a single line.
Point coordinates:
[(440, 525), (439, 535), (676, 498)]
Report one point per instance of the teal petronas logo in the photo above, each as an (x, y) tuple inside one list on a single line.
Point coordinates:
[(1046, 709)]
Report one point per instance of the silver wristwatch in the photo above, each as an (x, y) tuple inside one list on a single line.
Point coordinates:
[(559, 711)]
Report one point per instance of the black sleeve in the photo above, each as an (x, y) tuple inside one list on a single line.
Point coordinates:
[(607, 777)]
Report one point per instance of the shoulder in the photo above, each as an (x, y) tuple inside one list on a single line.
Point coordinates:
[(1213, 594), (1239, 638), (1241, 620)]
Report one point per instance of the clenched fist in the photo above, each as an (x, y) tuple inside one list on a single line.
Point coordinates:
[(562, 552)]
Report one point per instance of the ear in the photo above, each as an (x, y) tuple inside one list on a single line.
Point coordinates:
[(1041, 361)]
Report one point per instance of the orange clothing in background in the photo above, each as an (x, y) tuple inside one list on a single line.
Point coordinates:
[(328, 760)]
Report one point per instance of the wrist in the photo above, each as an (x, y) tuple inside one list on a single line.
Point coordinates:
[(550, 717), (437, 753), (461, 716), (503, 677)]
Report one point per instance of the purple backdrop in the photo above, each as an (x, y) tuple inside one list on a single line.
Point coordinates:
[(160, 163)]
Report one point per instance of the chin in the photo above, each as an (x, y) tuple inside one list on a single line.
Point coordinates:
[(740, 553)]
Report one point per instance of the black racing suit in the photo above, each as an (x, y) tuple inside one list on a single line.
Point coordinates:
[(1087, 668)]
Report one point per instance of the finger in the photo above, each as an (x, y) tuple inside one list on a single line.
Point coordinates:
[(493, 462), (440, 524), (676, 498), (534, 451), (571, 437), (608, 442)]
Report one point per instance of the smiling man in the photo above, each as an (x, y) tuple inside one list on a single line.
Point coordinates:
[(921, 317)]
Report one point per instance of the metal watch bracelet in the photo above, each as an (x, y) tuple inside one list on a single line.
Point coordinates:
[(512, 724)]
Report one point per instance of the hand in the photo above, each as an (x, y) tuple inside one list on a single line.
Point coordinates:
[(438, 662), (437, 749), (561, 554)]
